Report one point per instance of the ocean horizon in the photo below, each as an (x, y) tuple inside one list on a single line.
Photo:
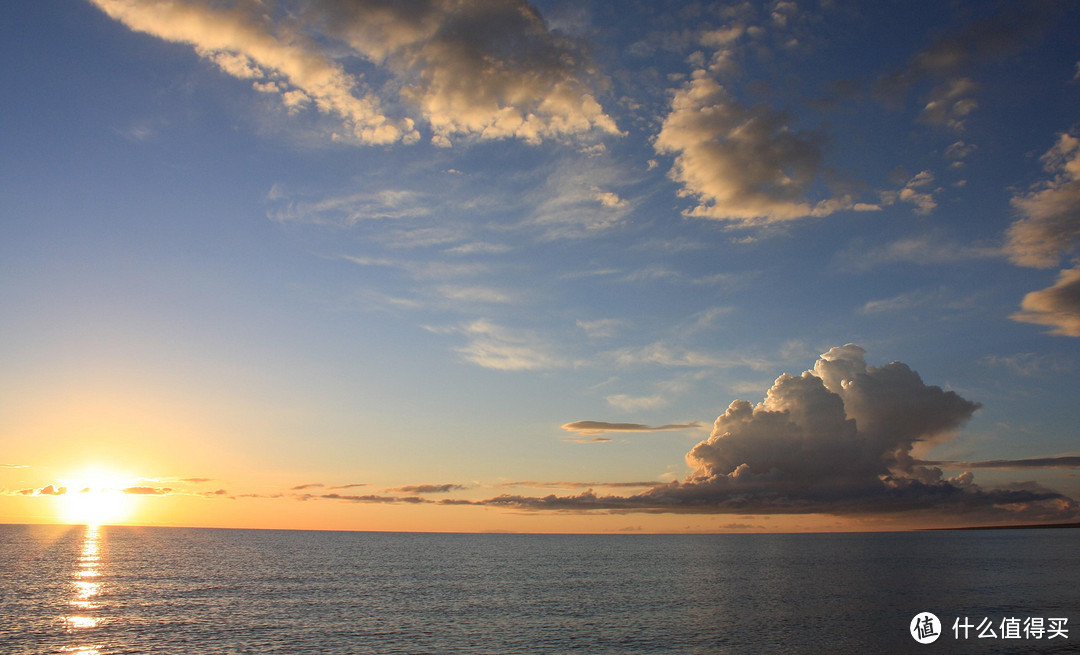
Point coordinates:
[(128, 589)]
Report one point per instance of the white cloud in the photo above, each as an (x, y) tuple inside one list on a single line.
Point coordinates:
[(471, 69), (479, 69), (1049, 226), (1057, 306), (741, 164), (242, 42)]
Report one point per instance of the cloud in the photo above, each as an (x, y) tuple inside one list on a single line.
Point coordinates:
[(428, 488), (663, 354), (950, 57), (350, 209), (925, 249), (472, 69), (950, 103), (496, 347), (600, 328), (836, 439), (51, 490), (1047, 230), (243, 41), (1031, 364), (1057, 306), (1049, 223), (309, 485), (741, 164), (148, 491), (601, 427), (533, 484), (1062, 462), (196, 480), (351, 485), (366, 499), (13, 466)]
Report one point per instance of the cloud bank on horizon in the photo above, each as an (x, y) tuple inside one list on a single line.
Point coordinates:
[(837, 439)]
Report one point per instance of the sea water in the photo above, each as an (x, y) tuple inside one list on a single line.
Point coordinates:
[(208, 591)]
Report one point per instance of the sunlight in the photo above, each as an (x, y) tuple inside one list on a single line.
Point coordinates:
[(96, 497)]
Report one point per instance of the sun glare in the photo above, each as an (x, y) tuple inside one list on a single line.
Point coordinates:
[(97, 498)]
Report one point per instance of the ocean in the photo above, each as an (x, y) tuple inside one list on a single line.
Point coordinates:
[(114, 590)]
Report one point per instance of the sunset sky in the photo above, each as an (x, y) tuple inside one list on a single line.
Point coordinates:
[(476, 266)]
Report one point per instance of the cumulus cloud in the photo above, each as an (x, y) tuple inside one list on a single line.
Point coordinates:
[(741, 164), (1048, 230), (836, 439), (1057, 306), (1049, 223), (470, 69), (52, 490), (601, 427)]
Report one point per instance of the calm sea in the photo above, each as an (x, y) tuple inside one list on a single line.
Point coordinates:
[(203, 591)]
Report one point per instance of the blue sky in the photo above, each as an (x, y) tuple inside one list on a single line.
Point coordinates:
[(282, 243)]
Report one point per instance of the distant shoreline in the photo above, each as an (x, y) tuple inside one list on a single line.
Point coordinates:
[(1029, 526)]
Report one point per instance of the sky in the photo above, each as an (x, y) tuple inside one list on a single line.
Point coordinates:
[(450, 265)]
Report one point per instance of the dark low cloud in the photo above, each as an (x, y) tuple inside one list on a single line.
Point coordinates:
[(51, 490), (370, 498), (428, 488), (600, 427), (351, 485), (309, 485), (534, 484), (836, 440), (1064, 462)]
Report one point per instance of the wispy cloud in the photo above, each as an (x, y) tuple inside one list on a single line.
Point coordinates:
[(601, 427), (929, 249), (497, 347)]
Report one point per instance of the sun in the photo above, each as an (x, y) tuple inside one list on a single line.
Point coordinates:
[(96, 497)]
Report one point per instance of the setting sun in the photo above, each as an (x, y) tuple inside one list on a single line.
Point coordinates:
[(97, 497)]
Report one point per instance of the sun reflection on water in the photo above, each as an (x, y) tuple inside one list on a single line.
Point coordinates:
[(85, 599)]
